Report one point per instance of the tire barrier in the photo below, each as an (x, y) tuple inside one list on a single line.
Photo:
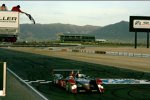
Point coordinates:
[(75, 50), (100, 52)]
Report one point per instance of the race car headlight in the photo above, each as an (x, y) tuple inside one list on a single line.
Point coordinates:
[(74, 87), (99, 86)]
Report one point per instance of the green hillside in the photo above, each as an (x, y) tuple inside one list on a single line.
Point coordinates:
[(118, 32), (50, 31)]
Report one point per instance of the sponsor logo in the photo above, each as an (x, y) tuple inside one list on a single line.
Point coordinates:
[(141, 24), (8, 19)]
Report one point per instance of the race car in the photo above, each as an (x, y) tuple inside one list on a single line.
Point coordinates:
[(76, 82)]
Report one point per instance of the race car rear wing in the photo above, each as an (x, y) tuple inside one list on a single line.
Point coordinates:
[(66, 70)]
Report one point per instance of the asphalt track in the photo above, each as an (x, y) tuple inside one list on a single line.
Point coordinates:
[(38, 67), (15, 90)]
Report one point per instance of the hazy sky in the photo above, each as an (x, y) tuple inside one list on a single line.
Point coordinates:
[(98, 13)]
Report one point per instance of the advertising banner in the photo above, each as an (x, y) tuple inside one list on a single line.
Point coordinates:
[(139, 23), (9, 19), (9, 22), (144, 24)]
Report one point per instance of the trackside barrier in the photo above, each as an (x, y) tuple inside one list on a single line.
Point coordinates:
[(100, 52), (113, 53), (128, 54), (75, 50), (21, 80), (83, 51)]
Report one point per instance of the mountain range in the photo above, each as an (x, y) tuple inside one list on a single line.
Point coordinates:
[(50, 31), (118, 32)]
